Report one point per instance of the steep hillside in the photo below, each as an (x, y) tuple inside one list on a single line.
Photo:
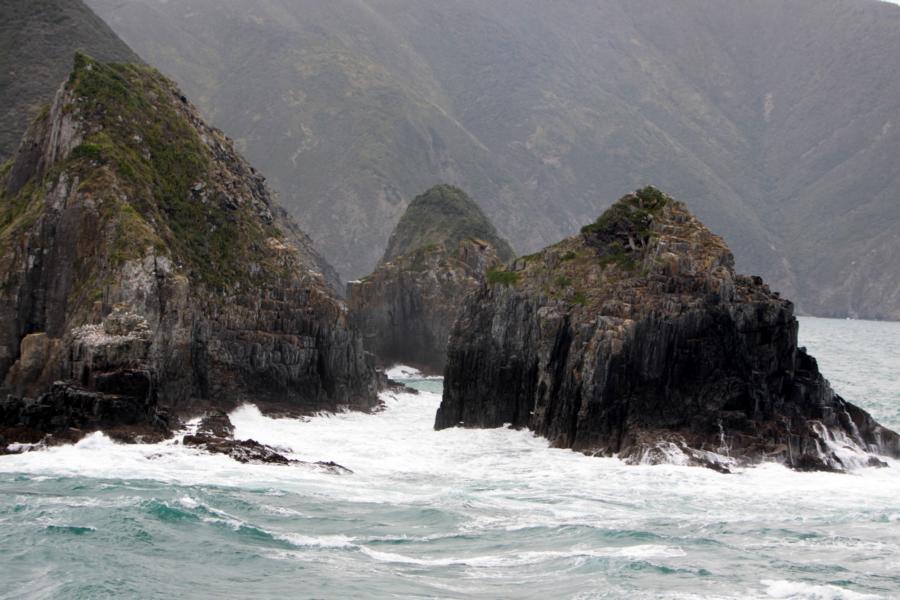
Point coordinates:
[(144, 262), (440, 251), (777, 119), (444, 215), (37, 41)]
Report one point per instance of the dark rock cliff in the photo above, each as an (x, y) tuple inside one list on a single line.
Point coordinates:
[(134, 239), (405, 309), (638, 339), (439, 253)]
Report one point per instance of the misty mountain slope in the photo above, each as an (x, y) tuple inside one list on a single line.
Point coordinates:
[(37, 41), (776, 121)]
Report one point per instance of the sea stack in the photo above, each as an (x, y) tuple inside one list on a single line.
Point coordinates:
[(438, 253), (637, 339), (145, 271)]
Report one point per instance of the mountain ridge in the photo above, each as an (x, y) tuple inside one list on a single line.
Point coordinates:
[(776, 119)]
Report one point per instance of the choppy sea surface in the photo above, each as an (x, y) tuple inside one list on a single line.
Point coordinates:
[(454, 514)]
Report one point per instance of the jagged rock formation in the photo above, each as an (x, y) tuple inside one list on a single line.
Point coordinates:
[(37, 40), (638, 339), (439, 252), (215, 434), (120, 197)]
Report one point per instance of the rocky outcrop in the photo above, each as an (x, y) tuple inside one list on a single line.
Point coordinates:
[(68, 411), (215, 434), (638, 339), (113, 385), (135, 240), (443, 215), (440, 252)]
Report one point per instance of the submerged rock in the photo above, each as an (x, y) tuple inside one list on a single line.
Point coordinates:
[(215, 434), (142, 258), (438, 254), (638, 339)]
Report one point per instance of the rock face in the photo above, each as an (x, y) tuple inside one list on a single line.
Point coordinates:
[(141, 257), (440, 252), (637, 339)]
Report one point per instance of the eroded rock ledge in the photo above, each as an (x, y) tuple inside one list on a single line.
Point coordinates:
[(638, 339)]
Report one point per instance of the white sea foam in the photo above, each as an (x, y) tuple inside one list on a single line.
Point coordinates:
[(516, 559), (502, 503), (17, 447), (401, 372), (396, 456), (792, 590), (188, 502), (305, 541)]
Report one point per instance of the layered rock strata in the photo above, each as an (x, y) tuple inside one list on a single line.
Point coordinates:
[(141, 257), (637, 339), (440, 252)]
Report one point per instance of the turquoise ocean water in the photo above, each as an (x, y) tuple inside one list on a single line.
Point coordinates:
[(454, 514)]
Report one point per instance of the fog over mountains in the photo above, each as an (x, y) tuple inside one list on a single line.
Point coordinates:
[(37, 41), (775, 120)]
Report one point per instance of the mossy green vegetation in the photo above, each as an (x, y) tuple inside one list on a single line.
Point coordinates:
[(582, 271), (500, 276), (140, 135), (624, 229), (562, 281), (632, 214), (154, 183), (17, 211), (443, 215)]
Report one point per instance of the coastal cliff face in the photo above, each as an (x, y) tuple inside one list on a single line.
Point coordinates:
[(142, 258), (407, 306), (638, 339), (438, 254)]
